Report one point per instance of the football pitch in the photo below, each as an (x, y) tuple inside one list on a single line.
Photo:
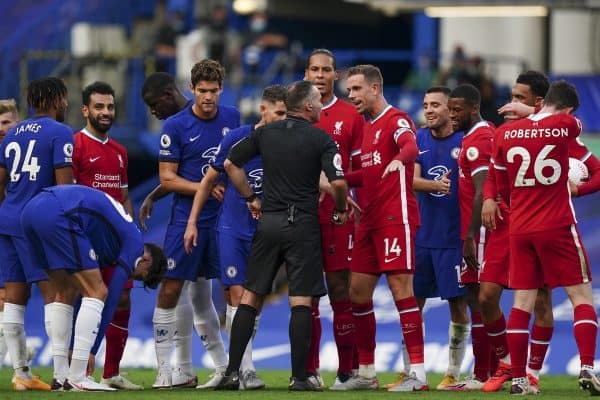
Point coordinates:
[(553, 387)]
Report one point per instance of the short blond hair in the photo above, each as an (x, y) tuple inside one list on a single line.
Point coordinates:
[(8, 105)]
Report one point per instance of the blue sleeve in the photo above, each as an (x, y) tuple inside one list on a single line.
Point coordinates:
[(115, 288), (170, 149), (218, 163), (62, 145)]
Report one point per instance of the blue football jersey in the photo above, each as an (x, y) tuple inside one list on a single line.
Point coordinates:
[(192, 142), (235, 218), (440, 214), (30, 152), (116, 240)]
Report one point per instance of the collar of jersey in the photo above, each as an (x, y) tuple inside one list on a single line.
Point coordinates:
[(91, 136), (476, 126), (539, 116), (332, 102), (386, 109)]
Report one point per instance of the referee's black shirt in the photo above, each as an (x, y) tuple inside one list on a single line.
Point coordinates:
[(293, 154)]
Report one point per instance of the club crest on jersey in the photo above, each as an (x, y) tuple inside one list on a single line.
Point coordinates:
[(68, 149), (231, 271), (121, 164), (171, 264), (402, 123), (472, 153), (455, 153), (92, 255), (224, 131), (165, 141), (377, 134), (337, 130)]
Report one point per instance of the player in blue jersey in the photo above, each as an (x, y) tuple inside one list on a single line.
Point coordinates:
[(71, 231), (437, 243), (236, 226), (189, 141), (34, 154)]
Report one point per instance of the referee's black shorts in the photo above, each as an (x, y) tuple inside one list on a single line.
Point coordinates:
[(298, 244)]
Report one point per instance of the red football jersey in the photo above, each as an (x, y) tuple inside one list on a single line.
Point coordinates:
[(531, 160), (391, 200), (474, 157), (341, 121), (100, 164)]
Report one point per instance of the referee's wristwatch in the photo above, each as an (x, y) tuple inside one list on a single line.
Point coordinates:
[(251, 198)]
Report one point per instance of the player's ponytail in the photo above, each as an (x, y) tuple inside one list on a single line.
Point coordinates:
[(158, 266)]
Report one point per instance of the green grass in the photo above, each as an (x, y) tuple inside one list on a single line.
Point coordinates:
[(553, 387)]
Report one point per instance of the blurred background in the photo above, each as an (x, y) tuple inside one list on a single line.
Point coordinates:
[(415, 43)]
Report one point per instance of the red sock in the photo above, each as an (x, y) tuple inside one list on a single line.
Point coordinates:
[(585, 327), (481, 348), (540, 339), (355, 352), (517, 334), (343, 332), (116, 338), (496, 332), (364, 323), (312, 359), (411, 322)]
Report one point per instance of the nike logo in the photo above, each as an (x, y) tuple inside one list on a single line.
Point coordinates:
[(194, 138), (389, 260), (344, 333), (423, 152), (161, 340), (94, 159)]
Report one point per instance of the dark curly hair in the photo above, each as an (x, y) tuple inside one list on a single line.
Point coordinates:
[(158, 266)]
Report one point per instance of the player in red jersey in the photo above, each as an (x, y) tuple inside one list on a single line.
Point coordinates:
[(385, 235), (473, 162), (341, 121), (527, 97), (531, 163), (101, 162)]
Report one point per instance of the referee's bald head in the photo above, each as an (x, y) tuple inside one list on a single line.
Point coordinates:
[(298, 93)]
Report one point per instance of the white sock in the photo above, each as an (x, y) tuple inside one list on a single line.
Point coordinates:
[(86, 330), (458, 335), (206, 322), (3, 348), (419, 371), (182, 337), (229, 314), (13, 323), (164, 327), (534, 372), (61, 331), (366, 371)]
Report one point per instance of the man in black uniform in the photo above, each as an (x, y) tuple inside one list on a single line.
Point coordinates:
[(293, 153)]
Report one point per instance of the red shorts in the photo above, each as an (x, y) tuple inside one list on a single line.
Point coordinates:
[(336, 244), (471, 276), (387, 249), (107, 274), (496, 258), (555, 258)]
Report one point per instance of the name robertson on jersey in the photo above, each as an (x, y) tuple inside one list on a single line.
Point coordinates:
[(106, 181), (536, 133)]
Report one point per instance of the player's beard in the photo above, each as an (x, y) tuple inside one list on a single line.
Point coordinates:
[(101, 127)]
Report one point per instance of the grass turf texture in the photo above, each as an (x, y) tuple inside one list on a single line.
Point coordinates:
[(553, 387)]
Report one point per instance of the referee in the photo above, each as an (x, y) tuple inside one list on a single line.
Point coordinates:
[(293, 153)]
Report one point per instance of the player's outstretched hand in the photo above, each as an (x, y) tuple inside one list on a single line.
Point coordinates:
[(145, 212), (340, 218), (393, 166), (444, 183), (489, 212), (515, 110), (218, 191), (254, 206), (574, 189), (469, 254), (190, 237), (354, 207)]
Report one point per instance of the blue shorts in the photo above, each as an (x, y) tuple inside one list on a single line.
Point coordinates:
[(437, 273), (234, 253), (202, 261), (16, 263), (54, 240)]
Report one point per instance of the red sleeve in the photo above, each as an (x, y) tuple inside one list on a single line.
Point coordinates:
[(408, 147), (357, 135), (76, 157), (593, 184), (354, 178), (479, 153), (489, 187)]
